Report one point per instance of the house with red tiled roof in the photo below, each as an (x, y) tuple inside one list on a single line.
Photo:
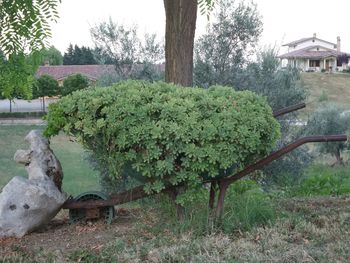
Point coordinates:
[(315, 54), (91, 72)]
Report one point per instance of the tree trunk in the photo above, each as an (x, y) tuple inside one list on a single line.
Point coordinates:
[(338, 157), (180, 210), (220, 203), (181, 16), (43, 103), (212, 195)]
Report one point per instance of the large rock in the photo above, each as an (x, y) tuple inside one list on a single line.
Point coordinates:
[(27, 204), (40, 162)]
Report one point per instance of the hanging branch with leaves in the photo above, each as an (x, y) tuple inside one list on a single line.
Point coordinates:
[(25, 25)]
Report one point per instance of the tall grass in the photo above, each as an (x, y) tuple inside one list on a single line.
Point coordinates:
[(246, 206)]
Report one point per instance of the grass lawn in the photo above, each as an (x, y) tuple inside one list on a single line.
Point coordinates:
[(334, 87), (78, 176)]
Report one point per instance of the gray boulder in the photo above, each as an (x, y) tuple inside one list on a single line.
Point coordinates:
[(27, 204)]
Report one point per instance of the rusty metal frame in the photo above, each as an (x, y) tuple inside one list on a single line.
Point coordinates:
[(289, 109)]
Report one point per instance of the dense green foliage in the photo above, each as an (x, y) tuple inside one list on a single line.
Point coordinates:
[(16, 78), (328, 120), (79, 56), (168, 134), (73, 83), (52, 56), (282, 88), (45, 85)]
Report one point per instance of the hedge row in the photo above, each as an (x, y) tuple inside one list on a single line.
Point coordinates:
[(10, 115)]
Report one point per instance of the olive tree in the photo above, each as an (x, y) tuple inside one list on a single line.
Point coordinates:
[(280, 87), (225, 48), (330, 119), (120, 45)]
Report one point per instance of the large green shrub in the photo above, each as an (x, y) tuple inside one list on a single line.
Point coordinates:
[(45, 85), (74, 83), (168, 134)]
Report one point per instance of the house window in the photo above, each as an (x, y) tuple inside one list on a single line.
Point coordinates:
[(339, 63), (314, 63)]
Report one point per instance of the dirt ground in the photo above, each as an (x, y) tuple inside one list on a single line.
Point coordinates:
[(315, 230), (61, 237)]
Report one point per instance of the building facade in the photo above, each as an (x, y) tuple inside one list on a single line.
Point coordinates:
[(315, 54)]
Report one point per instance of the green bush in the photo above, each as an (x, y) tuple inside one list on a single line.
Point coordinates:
[(166, 133), (45, 85), (74, 83)]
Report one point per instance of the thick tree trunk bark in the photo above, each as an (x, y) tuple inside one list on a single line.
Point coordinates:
[(181, 16)]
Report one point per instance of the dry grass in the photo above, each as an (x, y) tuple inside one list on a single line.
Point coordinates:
[(334, 87), (308, 230)]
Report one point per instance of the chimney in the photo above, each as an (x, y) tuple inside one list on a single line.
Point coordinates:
[(314, 35), (338, 44)]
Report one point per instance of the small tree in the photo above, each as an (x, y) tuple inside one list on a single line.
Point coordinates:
[(44, 86), (330, 119), (16, 77), (121, 46), (52, 56), (224, 50), (73, 83)]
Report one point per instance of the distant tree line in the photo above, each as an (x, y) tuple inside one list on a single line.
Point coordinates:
[(79, 56)]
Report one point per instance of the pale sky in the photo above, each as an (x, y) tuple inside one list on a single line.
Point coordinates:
[(284, 20)]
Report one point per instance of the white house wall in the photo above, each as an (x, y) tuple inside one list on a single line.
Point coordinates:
[(312, 42), (318, 49), (303, 64)]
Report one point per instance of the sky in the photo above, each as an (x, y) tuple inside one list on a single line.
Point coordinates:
[(284, 20)]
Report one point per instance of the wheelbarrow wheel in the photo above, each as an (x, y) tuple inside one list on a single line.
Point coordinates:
[(82, 214)]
